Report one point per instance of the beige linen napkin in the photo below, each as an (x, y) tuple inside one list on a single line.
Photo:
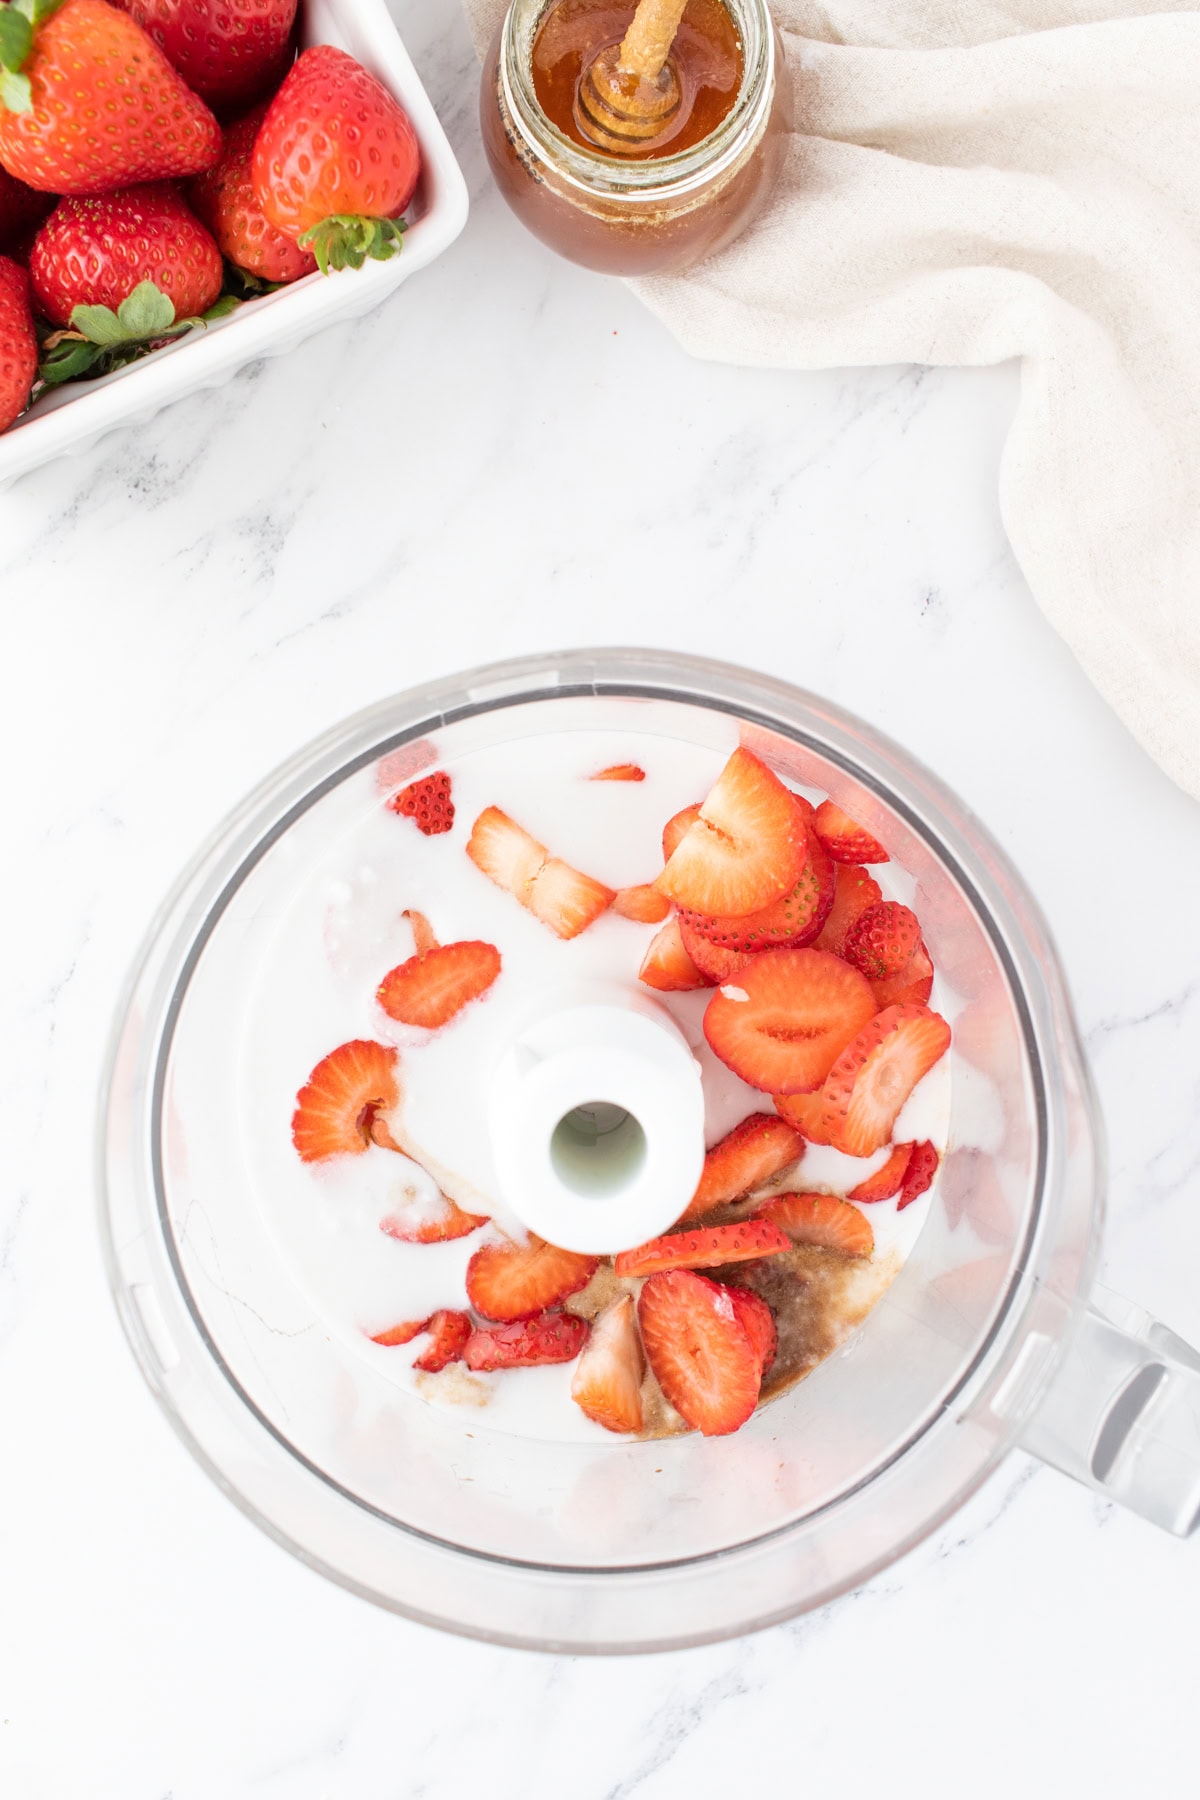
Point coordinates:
[(973, 180)]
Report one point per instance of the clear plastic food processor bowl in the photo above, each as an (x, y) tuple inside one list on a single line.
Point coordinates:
[(988, 1336)]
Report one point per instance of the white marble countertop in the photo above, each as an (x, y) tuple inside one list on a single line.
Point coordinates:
[(185, 605)]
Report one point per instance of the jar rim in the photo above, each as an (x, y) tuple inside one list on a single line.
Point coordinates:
[(653, 178)]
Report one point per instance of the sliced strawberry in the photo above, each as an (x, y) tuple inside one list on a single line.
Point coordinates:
[(431, 988), (911, 987), (855, 890), (845, 840), (882, 940), (449, 1332), (607, 1384), (422, 930), (794, 919), (515, 1281), (714, 962), (560, 896), (705, 1248), (427, 802), (436, 1223), (399, 1334), (620, 772), (645, 904), (759, 1147), (922, 1168), (823, 1220), (702, 1356), (781, 1021), (758, 1322), (667, 965), (525, 1343), (887, 1181), (676, 827), (875, 1074), (804, 1112), (746, 847), (336, 1107)]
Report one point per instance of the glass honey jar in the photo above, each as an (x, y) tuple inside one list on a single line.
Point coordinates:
[(648, 210)]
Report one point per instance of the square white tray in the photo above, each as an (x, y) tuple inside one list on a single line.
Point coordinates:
[(71, 419)]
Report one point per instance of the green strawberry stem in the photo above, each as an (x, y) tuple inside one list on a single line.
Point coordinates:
[(346, 240), (18, 22)]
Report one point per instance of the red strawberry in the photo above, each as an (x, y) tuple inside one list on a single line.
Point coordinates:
[(855, 890), (706, 1248), (645, 904), (95, 251), (224, 199), (886, 1182), (228, 51), (620, 772), (882, 940), (758, 1322), (422, 1223), (423, 933), (22, 209), (676, 827), (920, 1173), (524, 1343), (782, 1020), (336, 1107), (88, 63), (399, 1334), (794, 919), (515, 1281), (763, 1145), (667, 965), (336, 161), (431, 988), (552, 890), (607, 1383), (428, 802), (845, 841), (747, 846), (714, 961), (823, 1220), (18, 342), (450, 1332), (912, 986), (703, 1358), (875, 1074), (804, 1112)]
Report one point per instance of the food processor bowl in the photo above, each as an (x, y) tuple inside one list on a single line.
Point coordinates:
[(988, 1335)]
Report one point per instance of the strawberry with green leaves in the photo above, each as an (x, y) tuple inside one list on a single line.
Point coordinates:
[(89, 105), (95, 252), (224, 199), (230, 52), (336, 161), (18, 342)]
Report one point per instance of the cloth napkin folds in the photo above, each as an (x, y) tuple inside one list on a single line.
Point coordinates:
[(974, 180)]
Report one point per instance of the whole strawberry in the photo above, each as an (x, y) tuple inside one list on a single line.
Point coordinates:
[(230, 52), (93, 105), (18, 342), (21, 208), (336, 161), (94, 252), (224, 198)]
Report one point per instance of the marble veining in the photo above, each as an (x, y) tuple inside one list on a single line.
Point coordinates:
[(400, 496)]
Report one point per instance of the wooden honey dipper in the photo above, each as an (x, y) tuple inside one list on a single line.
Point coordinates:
[(629, 95)]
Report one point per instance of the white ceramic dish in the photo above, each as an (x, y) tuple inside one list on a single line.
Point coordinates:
[(74, 418)]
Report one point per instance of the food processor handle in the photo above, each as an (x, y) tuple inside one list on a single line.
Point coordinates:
[(1122, 1414)]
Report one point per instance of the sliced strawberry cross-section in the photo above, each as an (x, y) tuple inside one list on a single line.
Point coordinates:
[(887, 1180), (912, 986), (644, 903), (607, 1383), (667, 966), (875, 1074), (714, 961), (433, 986), (854, 891), (403, 1333), (758, 1322), (431, 1222), (335, 1108), (781, 1020), (427, 802), (761, 1146), (552, 1337), (804, 1112), (745, 848), (822, 1220), (676, 827), (794, 919), (922, 1168), (707, 1247), (702, 1356), (882, 940), (845, 840), (561, 897), (448, 1333), (620, 772), (515, 1281)]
